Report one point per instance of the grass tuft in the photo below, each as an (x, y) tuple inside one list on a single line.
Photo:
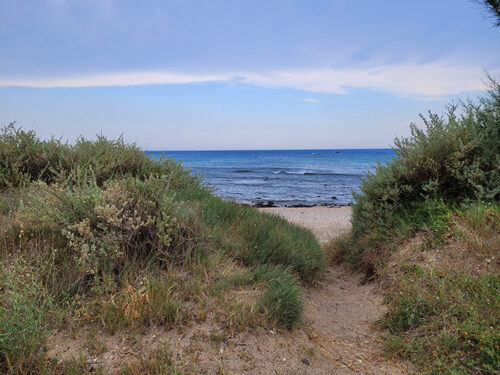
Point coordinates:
[(281, 300)]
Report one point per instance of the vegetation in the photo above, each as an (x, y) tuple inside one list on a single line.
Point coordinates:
[(427, 224), (493, 8), (96, 235)]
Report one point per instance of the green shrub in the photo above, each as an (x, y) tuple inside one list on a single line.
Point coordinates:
[(103, 226), (103, 229), (455, 159), (25, 158), (438, 197)]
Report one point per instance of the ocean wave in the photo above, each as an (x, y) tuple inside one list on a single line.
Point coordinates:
[(307, 173), (242, 171)]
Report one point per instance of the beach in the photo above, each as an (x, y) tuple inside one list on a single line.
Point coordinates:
[(325, 222)]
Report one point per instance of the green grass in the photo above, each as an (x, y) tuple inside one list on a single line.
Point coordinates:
[(450, 322), (27, 311), (266, 239), (282, 299)]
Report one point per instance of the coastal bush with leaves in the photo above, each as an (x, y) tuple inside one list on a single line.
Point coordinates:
[(24, 158), (102, 227), (456, 158)]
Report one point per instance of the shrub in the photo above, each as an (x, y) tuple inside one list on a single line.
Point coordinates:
[(455, 159), (110, 236), (25, 158), (102, 227)]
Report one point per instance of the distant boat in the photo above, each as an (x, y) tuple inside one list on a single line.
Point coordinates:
[(316, 153)]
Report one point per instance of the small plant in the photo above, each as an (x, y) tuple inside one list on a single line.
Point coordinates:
[(151, 302), (26, 313), (281, 300), (159, 362)]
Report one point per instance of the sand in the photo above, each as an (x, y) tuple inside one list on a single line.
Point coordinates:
[(325, 222)]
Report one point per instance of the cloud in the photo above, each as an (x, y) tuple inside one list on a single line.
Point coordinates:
[(309, 100), (117, 79), (430, 80)]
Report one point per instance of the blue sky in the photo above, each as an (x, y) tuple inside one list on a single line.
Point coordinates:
[(239, 74)]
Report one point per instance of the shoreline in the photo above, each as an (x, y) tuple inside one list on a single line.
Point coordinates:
[(272, 204), (280, 204)]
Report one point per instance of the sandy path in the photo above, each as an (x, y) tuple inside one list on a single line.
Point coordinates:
[(341, 311)]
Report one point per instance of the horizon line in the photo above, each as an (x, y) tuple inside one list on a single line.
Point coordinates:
[(277, 149)]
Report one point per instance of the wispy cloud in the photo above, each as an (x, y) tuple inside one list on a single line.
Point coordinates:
[(309, 100), (117, 79), (429, 80)]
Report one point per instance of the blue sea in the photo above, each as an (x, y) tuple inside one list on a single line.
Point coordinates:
[(284, 177)]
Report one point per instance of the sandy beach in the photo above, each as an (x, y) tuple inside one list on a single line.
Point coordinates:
[(325, 222)]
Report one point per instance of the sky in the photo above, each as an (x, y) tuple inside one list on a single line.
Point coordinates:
[(240, 74)]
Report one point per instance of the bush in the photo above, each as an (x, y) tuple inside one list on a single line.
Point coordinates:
[(101, 227), (25, 158), (99, 233), (455, 159)]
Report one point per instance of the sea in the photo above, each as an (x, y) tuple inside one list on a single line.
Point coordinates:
[(282, 177)]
